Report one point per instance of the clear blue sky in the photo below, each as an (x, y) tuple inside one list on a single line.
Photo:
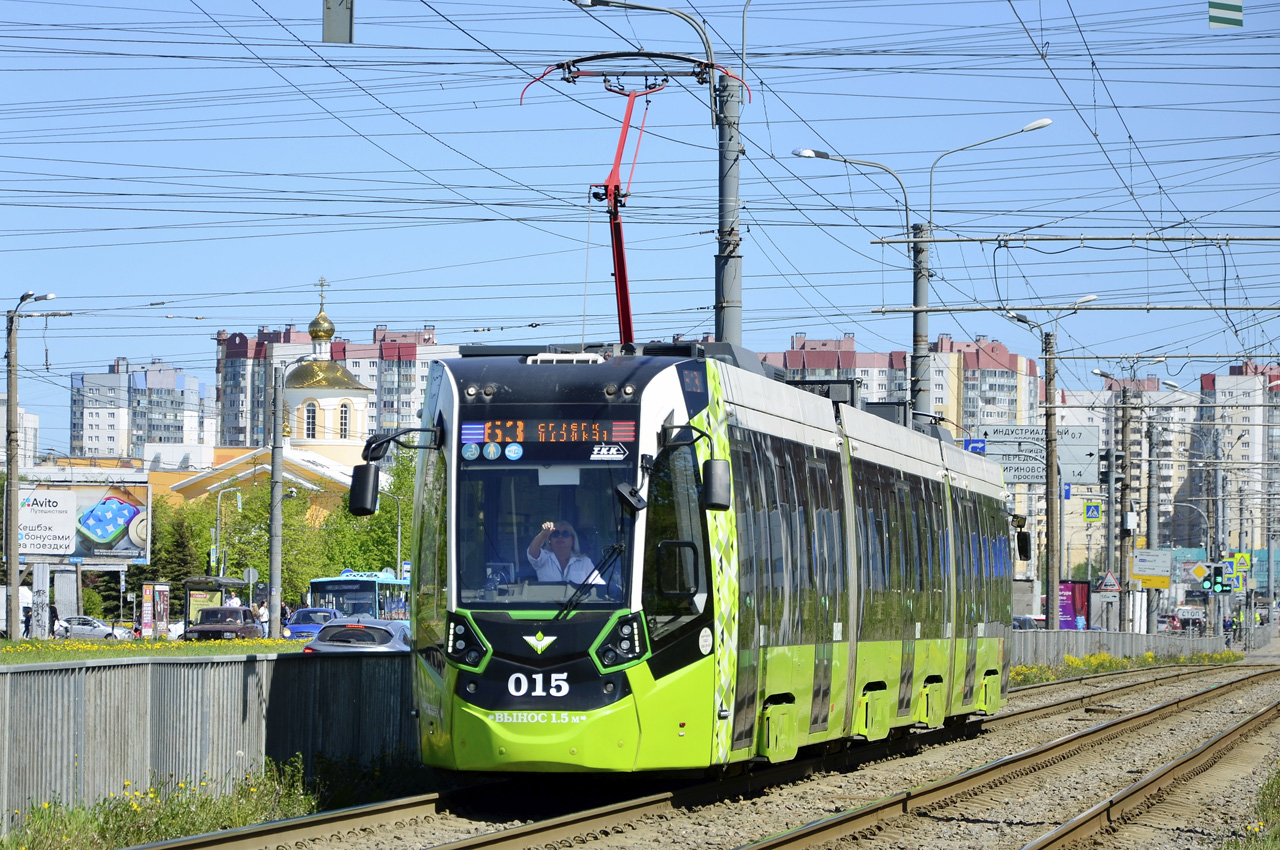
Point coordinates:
[(170, 169)]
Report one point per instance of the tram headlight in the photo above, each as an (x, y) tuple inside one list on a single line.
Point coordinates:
[(623, 644), (463, 645)]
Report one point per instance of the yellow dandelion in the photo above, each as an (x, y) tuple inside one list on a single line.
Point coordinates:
[(46, 805), (252, 790), (202, 784), (182, 785), (127, 783)]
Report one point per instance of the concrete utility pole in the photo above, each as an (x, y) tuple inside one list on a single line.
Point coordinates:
[(1052, 487), (277, 499), (728, 255), (1153, 515), (920, 389), (1126, 496)]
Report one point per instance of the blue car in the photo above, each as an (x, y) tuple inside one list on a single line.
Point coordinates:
[(305, 622)]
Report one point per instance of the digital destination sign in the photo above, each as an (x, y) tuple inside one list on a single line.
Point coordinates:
[(548, 431)]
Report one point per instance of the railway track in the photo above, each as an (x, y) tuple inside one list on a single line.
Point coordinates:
[(984, 794), (612, 821)]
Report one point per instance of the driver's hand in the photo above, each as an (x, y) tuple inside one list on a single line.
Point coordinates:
[(548, 526)]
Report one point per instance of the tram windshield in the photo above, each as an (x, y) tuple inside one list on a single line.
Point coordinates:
[(501, 512)]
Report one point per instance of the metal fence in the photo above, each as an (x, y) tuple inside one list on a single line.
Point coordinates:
[(1035, 646), (77, 732)]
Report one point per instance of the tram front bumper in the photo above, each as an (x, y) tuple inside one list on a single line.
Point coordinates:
[(604, 739)]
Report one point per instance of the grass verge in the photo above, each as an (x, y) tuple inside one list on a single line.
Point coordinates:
[(1263, 832), (48, 651), (1032, 674), (172, 809), (164, 810)]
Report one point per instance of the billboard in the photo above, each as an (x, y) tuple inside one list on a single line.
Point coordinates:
[(84, 524)]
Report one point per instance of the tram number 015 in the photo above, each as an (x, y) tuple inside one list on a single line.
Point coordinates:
[(518, 685)]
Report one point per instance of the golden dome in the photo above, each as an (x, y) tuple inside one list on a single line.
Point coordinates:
[(321, 329), (322, 375)]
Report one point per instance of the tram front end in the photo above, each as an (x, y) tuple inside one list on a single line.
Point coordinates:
[(562, 600)]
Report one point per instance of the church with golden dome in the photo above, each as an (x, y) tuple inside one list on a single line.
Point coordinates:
[(326, 407)]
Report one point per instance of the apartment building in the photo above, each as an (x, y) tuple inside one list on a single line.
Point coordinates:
[(973, 383), (113, 414)]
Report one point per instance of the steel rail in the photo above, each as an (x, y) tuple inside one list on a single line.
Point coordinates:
[(407, 810), (854, 821), (1116, 808), (333, 824)]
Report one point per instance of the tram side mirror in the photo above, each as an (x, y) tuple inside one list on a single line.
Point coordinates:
[(716, 485), (677, 569), (629, 495), (363, 499), (1024, 545)]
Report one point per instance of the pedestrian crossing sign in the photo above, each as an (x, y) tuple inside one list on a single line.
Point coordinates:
[(1093, 511)]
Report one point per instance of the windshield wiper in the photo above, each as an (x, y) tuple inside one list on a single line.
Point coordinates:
[(612, 554)]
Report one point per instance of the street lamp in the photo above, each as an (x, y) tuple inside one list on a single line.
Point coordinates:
[(218, 555), (1053, 484), (14, 612), (919, 264), (277, 490)]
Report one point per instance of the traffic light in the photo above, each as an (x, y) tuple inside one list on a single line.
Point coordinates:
[(1207, 581), (1219, 583)]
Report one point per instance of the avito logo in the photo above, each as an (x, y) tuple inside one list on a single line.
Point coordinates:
[(35, 502)]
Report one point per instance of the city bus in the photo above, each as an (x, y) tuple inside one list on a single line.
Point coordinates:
[(377, 594)]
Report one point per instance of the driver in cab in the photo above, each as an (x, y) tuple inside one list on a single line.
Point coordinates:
[(562, 560)]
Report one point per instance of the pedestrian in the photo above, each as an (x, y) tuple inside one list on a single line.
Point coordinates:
[(233, 601), (26, 622), (264, 618)]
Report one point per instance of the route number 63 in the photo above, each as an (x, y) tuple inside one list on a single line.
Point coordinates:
[(518, 685)]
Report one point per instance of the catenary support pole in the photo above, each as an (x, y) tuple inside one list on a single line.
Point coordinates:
[(1052, 487), (920, 384), (728, 234), (1153, 516), (1126, 496)]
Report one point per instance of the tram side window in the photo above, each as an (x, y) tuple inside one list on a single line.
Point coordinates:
[(880, 616), (432, 545), (676, 578), (799, 585)]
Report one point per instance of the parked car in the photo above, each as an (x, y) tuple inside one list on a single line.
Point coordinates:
[(224, 623), (361, 634), (92, 627), (1168, 623), (1026, 621), (306, 622)]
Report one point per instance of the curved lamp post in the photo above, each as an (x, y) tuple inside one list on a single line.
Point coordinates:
[(12, 473), (277, 490), (919, 263), (1053, 514)]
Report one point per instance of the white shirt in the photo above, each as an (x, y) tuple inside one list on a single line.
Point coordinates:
[(579, 567), (264, 615)]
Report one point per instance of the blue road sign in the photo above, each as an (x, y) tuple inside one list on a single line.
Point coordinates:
[(1066, 490), (1093, 511), (976, 446)]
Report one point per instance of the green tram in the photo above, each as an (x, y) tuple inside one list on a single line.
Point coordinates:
[(661, 559)]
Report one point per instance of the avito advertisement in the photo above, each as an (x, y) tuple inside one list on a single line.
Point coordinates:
[(85, 524)]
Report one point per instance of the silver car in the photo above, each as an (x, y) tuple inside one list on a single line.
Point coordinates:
[(93, 628), (361, 634)]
